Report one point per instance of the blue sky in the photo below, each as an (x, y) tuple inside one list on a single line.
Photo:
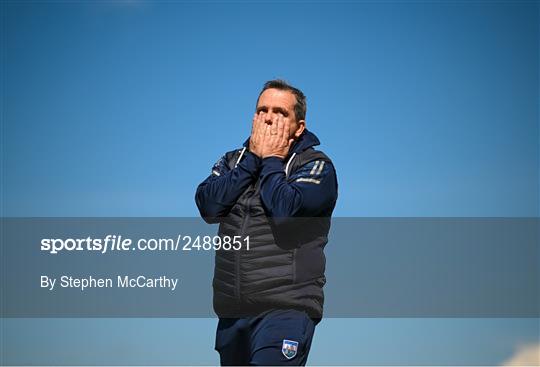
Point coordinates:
[(120, 109)]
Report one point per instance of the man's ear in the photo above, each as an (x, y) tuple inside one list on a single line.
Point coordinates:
[(300, 128)]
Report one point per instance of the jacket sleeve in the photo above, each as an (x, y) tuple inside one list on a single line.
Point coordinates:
[(310, 192), (217, 194)]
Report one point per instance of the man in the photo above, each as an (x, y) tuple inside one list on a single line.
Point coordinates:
[(280, 192)]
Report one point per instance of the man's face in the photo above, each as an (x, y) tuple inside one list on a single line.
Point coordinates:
[(274, 103)]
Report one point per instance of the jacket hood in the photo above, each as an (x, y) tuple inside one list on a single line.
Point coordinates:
[(305, 141)]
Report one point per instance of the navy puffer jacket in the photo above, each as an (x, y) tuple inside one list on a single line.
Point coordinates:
[(284, 206)]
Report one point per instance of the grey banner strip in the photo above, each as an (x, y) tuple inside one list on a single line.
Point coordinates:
[(375, 267)]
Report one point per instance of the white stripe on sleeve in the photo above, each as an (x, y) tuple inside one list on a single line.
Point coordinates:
[(314, 168), (320, 168), (311, 180)]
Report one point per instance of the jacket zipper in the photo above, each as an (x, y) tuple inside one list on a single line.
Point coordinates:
[(238, 253), (294, 266)]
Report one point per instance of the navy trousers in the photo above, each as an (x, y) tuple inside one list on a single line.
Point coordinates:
[(274, 338)]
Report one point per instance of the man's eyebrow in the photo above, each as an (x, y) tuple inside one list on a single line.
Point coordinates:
[(282, 110)]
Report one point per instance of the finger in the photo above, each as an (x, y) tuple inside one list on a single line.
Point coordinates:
[(265, 128), (258, 135), (272, 135), (275, 135), (254, 125), (262, 126), (288, 131), (281, 138), (274, 129)]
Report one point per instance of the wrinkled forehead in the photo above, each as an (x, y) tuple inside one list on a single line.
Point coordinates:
[(277, 98)]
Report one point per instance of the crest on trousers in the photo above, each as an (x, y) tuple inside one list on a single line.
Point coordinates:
[(289, 348)]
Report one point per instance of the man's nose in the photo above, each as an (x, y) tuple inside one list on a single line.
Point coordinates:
[(268, 118)]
